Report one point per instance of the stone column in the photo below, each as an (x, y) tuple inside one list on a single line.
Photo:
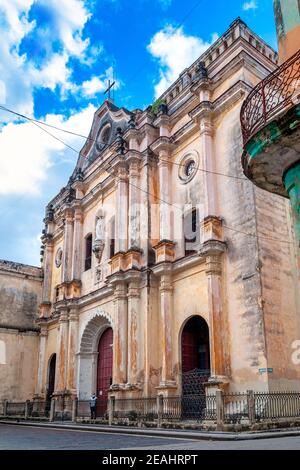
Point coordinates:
[(77, 244), (165, 230), (68, 244), (218, 328), (213, 272), (206, 142), (40, 388), (62, 358), (121, 226), (72, 349), (134, 201), (133, 331), (120, 334), (48, 260), (166, 307)]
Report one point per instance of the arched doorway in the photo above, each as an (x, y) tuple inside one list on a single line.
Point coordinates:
[(51, 381), (195, 356), (104, 370), (51, 376)]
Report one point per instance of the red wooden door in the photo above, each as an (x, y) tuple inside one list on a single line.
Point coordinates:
[(189, 350), (104, 370)]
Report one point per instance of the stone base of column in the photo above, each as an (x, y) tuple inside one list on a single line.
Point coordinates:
[(167, 387), (164, 251), (133, 387), (117, 388), (63, 405), (38, 397), (216, 382)]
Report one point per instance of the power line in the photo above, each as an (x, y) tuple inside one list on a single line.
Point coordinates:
[(4, 108), (38, 123), (225, 226), (158, 198)]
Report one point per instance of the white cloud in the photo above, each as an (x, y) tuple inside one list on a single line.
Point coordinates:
[(21, 74), (175, 51), (252, 5), (99, 84), (26, 152), (70, 18)]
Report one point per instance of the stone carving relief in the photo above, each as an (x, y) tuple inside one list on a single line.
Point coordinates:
[(100, 234)]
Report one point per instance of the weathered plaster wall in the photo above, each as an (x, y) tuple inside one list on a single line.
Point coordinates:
[(242, 284), (18, 367), (20, 294), (279, 289)]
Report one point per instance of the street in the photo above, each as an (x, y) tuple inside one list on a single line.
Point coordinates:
[(20, 437)]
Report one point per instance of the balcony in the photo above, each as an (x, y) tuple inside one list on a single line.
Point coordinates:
[(270, 120)]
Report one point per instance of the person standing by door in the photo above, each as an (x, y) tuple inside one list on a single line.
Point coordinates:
[(93, 404)]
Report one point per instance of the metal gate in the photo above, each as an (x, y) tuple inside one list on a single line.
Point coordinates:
[(193, 394)]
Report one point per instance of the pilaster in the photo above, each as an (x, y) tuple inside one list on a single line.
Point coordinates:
[(213, 248), (120, 349), (164, 271), (133, 331), (77, 243), (62, 357), (72, 349), (40, 389), (68, 244)]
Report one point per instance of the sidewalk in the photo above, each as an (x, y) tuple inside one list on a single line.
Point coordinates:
[(182, 434)]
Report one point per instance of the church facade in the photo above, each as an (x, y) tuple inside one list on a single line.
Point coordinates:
[(161, 262)]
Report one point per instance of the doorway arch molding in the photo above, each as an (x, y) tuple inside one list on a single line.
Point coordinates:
[(93, 329), (94, 326)]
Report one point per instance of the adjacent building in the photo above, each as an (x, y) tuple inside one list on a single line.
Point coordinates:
[(20, 296)]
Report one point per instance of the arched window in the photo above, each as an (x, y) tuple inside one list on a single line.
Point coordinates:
[(191, 231), (88, 252)]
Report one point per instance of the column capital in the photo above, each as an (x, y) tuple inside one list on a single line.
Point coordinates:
[(63, 317), (166, 283), (213, 265), (202, 113), (120, 286), (133, 158), (74, 314), (134, 289), (47, 240), (44, 331), (68, 213)]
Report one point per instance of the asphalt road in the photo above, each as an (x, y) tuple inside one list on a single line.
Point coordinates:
[(20, 437)]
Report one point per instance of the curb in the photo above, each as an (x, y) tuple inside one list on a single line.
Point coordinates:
[(190, 435)]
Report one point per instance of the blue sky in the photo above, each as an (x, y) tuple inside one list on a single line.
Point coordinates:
[(55, 59)]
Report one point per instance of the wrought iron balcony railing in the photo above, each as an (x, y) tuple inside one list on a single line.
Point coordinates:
[(279, 91)]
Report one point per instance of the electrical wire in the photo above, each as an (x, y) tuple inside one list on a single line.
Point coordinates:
[(38, 123), (158, 198)]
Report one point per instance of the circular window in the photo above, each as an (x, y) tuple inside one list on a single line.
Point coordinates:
[(188, 167), (103, 136), (58, 257)]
